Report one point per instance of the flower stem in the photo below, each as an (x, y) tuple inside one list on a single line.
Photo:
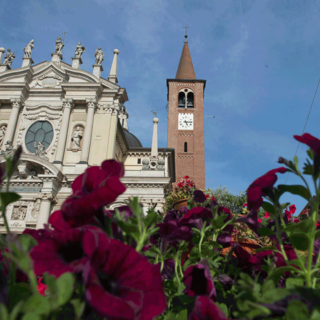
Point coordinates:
[(279, 212)]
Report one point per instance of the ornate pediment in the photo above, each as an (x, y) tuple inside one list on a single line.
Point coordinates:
[(50, 80)]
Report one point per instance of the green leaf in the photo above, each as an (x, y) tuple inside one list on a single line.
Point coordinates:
[(263, 232), (268, 207), (276, 294), (315, 315), (37, 304), (78, 307), (317, 234), (296, 165), (50, 281), (223, 308), (291, 283), (8, 197), (296, 189), (300, 241), (4, 315), (18, 292), (297, 310), (267, 286), (65, 287), (277, 273), (305, 226), (16, 310), (27, 242), (265, 248), (310, 154), (150, 219), (127, 227), (218, 221), (31, 316)]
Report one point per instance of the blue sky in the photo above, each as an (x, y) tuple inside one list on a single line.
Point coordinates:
[(261, 60)]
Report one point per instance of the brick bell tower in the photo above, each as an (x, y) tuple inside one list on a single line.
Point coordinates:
[(185, 120)]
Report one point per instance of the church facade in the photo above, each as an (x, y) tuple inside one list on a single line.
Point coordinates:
[(67, 119)]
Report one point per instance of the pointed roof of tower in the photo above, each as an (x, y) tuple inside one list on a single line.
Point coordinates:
[(185, 69)]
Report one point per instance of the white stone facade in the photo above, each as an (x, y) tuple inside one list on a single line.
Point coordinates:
[(80, 120)]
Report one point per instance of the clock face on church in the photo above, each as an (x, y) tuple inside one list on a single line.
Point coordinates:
[(185, 121)]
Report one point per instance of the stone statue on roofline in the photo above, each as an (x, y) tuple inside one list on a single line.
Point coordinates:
[(99, 55), (79, 50), (28, 49), (8, 58), (59, 46)]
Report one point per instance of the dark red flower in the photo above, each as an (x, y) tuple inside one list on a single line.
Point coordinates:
[(245, 204), (42, 287), (198, 281), (199, 196), (195, 216), (251, 220), (39, 234), (247, 260), (310, 141), (67, 251), (121, 284), (186, 177), (314, 144), (93, 190), (267, 215), (207, 196), (205, 309), (171, 215), (262, 187)]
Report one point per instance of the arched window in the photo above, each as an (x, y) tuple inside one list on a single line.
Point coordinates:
[(181, 100), (190, 98), (185, 147)]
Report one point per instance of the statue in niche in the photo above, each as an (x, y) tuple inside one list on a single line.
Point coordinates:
[(2, 134), (76, 137), (99, 55), (79, 50), (8, 58), (28, 49), (59, 46), (19, 213), (40, 150)]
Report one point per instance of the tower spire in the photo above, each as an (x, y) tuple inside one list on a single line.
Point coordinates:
[(185, 69), (113, 70)]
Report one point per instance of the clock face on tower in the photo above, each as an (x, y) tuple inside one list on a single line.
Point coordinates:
[(185, 121)]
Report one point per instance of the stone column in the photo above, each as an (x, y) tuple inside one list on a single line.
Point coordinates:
[(67, 105), (113, 131), (11, 127), (113, 71), (45, 208), (154, 147), (2, 51), (88, 132)]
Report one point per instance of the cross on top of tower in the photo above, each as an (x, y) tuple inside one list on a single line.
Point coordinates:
[(186, 27)]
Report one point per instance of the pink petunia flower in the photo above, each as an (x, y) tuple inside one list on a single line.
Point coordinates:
[(41, 287), (267, 215)]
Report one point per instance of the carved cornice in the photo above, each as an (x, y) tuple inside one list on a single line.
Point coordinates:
[(185, 157), (186, 84), (145, 185)]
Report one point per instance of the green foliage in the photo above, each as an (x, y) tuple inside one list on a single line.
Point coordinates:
[(228, 200)]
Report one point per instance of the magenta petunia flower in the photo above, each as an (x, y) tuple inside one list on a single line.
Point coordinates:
[(205, 309), (292, 209), (39, 234), (262, 187), (67, 251), (267, 215), (195, 216), (199, 282), (121, 284), (199, 196), (94, 189), (310, 141)]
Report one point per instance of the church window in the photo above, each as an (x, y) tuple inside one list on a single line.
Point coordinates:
[(139, 161), (181, 100), (39, 133), (190, 99), (185, 147)]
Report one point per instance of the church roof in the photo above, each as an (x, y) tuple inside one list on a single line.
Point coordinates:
[(132, 140), (185, 69)]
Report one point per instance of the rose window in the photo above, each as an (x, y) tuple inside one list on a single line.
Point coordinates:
[(40, 131)]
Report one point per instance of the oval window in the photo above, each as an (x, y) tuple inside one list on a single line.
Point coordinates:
[(40, 131)]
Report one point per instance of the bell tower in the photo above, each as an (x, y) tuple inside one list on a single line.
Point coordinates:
[(185, 120)]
